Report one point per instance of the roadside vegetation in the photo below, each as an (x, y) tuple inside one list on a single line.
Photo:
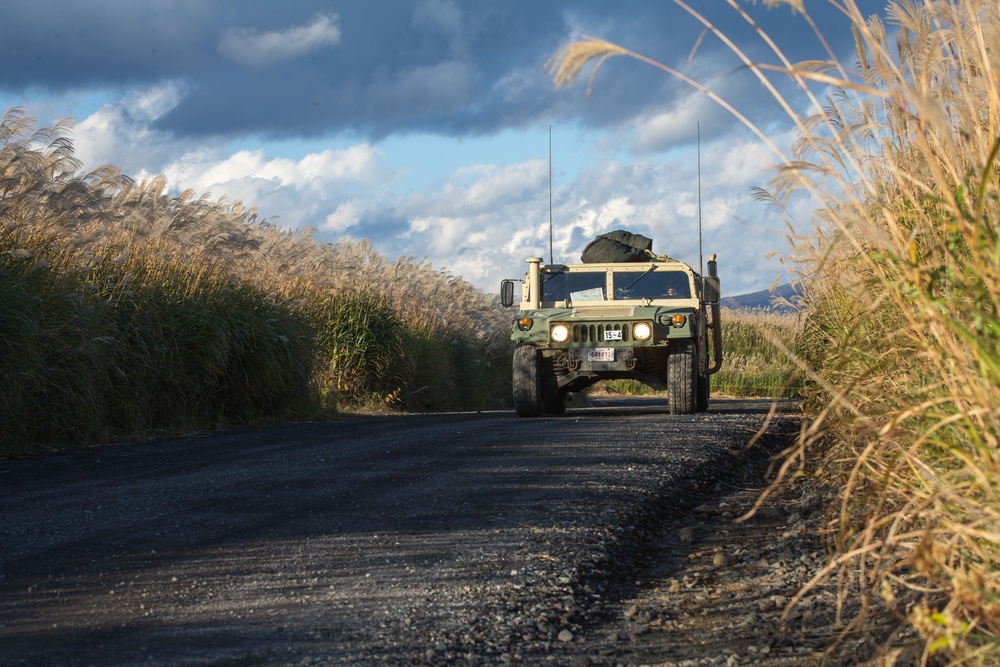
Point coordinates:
[(128, 311), (901, 276), (753, 362)]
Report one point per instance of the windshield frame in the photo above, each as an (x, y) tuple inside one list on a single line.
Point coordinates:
[(640, 282)]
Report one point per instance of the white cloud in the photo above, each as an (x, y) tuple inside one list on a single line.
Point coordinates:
[(445, 236), (662, 131), (479, 221), (356, 165), (121, 133), (252, 49), (595, 220), (345, 216), (485, 220), (736, 163), (482, 188)]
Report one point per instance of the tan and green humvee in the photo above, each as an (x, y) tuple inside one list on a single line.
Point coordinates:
[(581, 323)]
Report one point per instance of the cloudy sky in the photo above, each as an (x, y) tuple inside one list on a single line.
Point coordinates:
[(424, 125)]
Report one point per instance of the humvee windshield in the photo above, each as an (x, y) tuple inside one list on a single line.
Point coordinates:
[(652, 285), (590, 285), (575, 286)]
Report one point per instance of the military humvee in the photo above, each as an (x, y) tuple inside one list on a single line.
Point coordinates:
[(581, 323)]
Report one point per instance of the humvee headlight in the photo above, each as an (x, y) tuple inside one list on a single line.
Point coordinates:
[(524, 324), (559, 333), (642, 331), (678, 320)]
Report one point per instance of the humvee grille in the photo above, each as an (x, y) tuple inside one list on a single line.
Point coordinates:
[(595, 333)]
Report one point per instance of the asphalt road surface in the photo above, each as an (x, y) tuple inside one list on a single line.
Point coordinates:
[(471, 538)]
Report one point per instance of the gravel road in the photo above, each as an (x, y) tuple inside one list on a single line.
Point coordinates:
[(405, 539)]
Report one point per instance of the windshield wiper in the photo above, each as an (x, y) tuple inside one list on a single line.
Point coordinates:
[(641, 276), (557, 273)]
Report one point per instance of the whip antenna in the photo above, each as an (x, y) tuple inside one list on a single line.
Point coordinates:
[(550, 194), (700, 251)]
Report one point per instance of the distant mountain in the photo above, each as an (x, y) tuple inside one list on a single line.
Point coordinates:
[(765, 299)]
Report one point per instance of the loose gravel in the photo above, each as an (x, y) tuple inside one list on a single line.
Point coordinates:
[(604, 536)]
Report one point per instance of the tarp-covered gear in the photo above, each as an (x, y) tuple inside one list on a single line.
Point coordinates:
[(620, 246)]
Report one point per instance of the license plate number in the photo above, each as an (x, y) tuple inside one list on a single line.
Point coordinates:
[(601, 354)]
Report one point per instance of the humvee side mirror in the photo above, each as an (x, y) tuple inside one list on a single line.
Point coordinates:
[(507, 293), (711, 290)]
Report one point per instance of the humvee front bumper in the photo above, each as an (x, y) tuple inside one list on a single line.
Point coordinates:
[(600, 359)]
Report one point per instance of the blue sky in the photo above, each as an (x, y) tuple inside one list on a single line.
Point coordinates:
[(423, 125)]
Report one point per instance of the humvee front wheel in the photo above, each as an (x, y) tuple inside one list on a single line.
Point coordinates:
[(527, 369), (554, 400), (682, 377)]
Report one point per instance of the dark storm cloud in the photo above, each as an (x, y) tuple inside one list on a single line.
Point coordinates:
[(64, 44), (377, 68)]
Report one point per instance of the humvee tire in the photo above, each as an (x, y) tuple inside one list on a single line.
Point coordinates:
[(554, 400), (527, 378), (682, 377)]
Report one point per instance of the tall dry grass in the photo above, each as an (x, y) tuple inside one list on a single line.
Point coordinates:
[(126, 309), (753, 363), (902, 278)]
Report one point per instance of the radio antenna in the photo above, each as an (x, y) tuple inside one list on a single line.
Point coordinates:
[(550, 194), (700, 250)]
